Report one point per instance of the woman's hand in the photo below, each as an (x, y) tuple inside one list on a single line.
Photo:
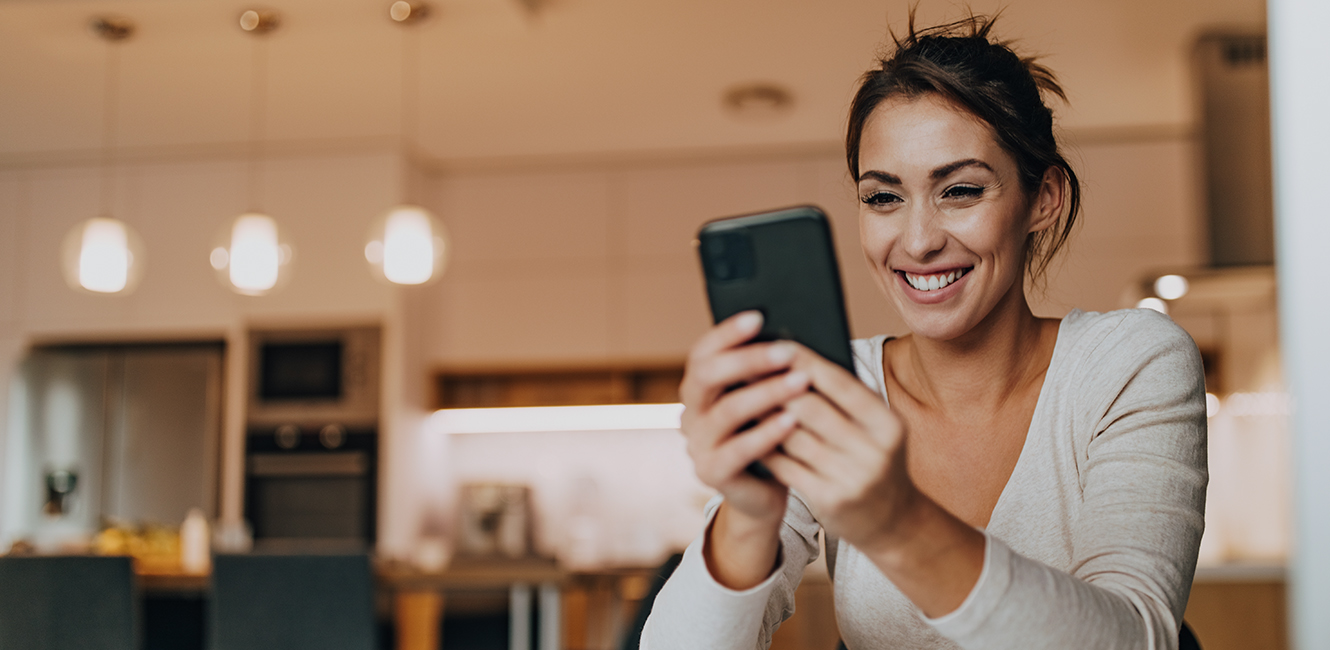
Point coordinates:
[(846, 456), (728, 385)]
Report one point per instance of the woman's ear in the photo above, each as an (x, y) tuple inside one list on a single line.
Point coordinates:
[(1048, 200)]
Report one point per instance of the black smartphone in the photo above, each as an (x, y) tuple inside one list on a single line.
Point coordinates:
[(783, 264)]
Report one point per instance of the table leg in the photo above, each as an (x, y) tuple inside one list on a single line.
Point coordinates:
[(551, 634), (519, 617), (419, 617)]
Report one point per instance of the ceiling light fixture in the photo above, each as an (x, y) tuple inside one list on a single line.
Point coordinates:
[(103, 254), (758, 100), (407, 244), (251, 256)]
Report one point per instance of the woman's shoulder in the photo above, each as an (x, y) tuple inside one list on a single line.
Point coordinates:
[(1105, 351), (1121, 332)]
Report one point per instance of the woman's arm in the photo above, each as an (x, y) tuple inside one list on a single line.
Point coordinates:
[(730, 590)]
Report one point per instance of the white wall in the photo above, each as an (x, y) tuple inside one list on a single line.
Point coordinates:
[(1300, 92)]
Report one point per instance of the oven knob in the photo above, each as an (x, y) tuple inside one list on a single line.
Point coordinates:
[(288, 436), (332, 436)]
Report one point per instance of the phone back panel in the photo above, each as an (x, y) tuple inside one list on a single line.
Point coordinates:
[(783, 264)]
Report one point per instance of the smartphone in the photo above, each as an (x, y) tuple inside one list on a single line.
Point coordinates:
[(782, 264)]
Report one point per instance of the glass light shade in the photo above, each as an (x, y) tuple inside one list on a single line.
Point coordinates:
[(103, 255), (1171, 287), (407, 245), (1153, 303), (251, 257)]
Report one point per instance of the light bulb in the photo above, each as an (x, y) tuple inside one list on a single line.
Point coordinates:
[(251, 255), (407, 246), (102, 256)]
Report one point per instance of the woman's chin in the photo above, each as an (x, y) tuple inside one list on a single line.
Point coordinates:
[(941, 321), (938, 327)]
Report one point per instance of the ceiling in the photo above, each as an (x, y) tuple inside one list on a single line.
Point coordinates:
[(577, 77)]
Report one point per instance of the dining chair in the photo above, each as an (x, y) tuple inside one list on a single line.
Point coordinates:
[(68, 603), (291, 602)]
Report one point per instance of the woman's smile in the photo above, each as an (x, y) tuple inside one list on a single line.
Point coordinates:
[(933, 287)]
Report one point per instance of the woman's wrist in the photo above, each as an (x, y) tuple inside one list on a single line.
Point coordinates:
[(741, 551)]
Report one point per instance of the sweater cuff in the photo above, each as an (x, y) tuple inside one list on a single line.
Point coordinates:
[(693, 602), (697, 550), (984, 598)]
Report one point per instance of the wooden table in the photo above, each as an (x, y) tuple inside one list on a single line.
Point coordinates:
[(418, 598)]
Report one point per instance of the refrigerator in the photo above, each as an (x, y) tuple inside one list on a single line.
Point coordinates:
[(100, 433)]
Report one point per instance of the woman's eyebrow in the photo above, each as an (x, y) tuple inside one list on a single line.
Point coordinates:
[(883, 177), (949, 168)]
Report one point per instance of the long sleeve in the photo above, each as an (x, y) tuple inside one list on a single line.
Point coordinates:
[(693, 611), (1139, 394)]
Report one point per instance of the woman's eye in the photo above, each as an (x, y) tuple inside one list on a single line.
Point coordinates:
[(963, 192), (880, 198)]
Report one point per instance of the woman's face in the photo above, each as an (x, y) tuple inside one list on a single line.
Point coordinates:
[(943, 217)]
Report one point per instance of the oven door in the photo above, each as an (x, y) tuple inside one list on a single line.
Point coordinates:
[(305, 498)]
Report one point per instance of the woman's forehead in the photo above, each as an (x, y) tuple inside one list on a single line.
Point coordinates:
[(925, 131)]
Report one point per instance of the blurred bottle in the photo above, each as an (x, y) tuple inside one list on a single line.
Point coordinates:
[(233, 537), (195, 557)]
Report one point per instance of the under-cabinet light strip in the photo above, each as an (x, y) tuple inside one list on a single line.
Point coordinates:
[(609, 417)]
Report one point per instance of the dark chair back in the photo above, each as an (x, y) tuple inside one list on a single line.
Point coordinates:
[(68, 603), (1187, 639), (291, 602)]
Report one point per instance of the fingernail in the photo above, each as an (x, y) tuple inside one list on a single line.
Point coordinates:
[(797, 379), (749, 320), (786, 420), (781, 353)]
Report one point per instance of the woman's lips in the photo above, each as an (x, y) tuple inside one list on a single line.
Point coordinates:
[(933, 287)]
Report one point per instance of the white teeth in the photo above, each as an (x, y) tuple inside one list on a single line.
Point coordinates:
[(933, 282)]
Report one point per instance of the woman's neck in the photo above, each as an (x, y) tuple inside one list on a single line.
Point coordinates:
[(981, 369)]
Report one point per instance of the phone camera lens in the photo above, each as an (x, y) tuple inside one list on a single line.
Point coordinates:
[(722, 269)]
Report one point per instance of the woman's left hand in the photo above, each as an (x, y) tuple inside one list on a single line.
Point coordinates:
[(847, 456)]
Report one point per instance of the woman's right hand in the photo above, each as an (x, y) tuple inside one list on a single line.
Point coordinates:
[(746, 529)]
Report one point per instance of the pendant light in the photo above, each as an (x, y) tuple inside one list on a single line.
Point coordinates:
[(103, 254), (407, 244), (251, 255)]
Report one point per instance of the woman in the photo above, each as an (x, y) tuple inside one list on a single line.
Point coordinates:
[(992, 479)]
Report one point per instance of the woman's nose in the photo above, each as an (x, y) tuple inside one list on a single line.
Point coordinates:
[(923, 234)]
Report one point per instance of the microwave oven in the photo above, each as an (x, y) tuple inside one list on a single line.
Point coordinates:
[(314, 377)]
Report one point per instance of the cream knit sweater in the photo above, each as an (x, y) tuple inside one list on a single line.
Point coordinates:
[(1092, 543)]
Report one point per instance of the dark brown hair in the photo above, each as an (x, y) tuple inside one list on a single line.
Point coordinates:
[(959, 62)]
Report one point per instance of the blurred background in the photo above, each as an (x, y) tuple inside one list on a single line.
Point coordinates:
[(560, 155)]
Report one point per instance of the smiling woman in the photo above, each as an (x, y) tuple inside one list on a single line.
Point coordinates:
[(990, 480)]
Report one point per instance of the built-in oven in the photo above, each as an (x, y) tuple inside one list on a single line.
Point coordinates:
[(311, 486), (311, 453)]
